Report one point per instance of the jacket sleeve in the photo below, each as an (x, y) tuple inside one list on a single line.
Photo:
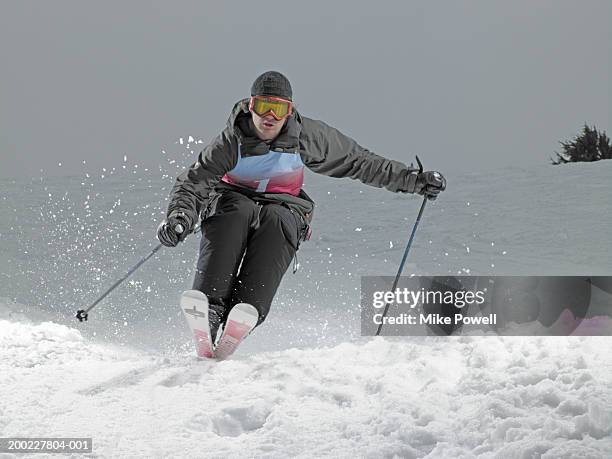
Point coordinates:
[(326, 150), (193, 186)]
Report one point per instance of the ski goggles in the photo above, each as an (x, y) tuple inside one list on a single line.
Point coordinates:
[(277, 107)]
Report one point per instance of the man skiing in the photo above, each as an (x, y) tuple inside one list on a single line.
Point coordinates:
[(246, 190)]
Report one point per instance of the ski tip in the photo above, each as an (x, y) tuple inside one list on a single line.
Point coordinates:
[(192, 298), (244, 313), (241, 321), (246, 308), (195, 308)]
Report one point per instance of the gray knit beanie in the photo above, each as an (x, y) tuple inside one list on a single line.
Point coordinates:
[(273, 84)]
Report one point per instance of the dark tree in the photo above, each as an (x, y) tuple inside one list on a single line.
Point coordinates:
[(604, 146), (590, 145)]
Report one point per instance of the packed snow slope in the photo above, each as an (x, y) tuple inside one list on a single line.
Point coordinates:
[(305, 383), (463, 397)]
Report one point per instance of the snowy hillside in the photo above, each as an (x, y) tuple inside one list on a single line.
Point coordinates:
[(462, 397), (305, 383), (66, 240)]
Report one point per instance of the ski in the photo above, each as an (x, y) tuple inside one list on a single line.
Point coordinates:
[(241, 321), (195, 307)]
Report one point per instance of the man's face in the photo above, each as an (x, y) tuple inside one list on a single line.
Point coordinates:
[(267, 127)]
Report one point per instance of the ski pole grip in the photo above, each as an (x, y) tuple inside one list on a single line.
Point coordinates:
[(179, 228)]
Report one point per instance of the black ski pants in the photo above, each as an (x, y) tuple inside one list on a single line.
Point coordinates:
[(245, 250)]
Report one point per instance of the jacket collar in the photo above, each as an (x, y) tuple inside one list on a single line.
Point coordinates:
[(238, 122)]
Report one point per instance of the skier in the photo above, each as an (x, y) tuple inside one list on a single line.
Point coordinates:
[(246, 190)]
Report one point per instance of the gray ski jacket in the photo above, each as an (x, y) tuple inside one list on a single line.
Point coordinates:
[(323, 149)]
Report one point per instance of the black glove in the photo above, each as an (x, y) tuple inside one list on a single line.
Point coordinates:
[(174, 229), (430, 184)]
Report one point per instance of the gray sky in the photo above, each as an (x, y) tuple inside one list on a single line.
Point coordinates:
[(464, 84)]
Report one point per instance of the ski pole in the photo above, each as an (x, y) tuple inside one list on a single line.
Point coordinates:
[(401, 266), (82, 314)]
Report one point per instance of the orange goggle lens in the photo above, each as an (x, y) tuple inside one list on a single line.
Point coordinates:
[(279, 108)]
